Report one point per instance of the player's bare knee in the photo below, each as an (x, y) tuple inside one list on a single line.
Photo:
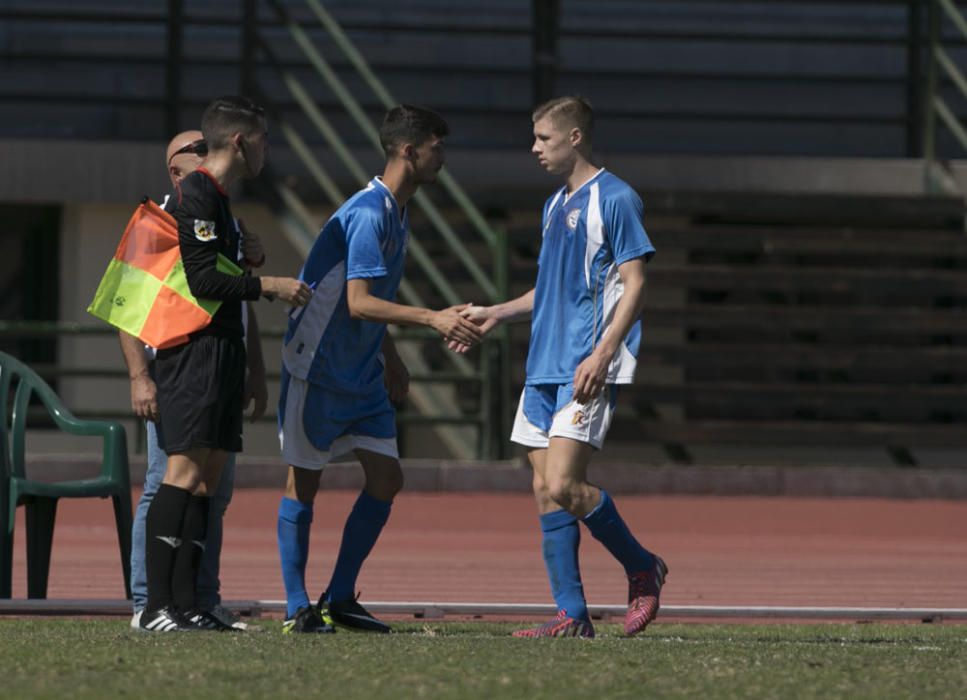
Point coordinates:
[(539, 484), (385, 484), (398, 482), (183, 474), (302, 484), (564, 492)]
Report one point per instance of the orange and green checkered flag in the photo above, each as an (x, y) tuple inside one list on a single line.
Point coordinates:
[(144, 291)]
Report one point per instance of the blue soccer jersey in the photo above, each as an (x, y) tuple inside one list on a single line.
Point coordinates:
[(364, 239), (586, 236)]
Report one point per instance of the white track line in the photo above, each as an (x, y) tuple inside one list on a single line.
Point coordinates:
[(438, 610)]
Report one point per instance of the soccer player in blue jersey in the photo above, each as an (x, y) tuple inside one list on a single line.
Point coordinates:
[(340, 369), (585, 332)]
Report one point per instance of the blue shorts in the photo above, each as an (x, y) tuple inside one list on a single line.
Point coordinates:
[(317, 425), (549, 410)]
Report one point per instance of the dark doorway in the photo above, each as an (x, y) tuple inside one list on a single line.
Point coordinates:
[(29, 278)]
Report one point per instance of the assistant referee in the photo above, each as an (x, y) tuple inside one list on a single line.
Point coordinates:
[(200, 383)]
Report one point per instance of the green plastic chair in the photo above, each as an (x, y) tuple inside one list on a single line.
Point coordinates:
[(17, 384)]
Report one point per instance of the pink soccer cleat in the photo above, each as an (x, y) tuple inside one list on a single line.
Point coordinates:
[(643, 591), (560, 626)]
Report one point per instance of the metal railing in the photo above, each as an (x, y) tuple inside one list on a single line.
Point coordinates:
[(941, 69), (51, 331)]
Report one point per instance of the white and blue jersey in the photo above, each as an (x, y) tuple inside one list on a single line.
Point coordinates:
[(324, 346), (586, 236), (332, 399)]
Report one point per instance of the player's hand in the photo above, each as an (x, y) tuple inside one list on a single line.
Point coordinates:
[(590, 376), (252, 249), (256, 393), (396, 378), (482, 316), (484, 320), (144, 397), (292, 291), (454, 327)]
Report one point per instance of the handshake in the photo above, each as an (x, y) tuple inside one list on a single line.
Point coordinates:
[(463, 325)]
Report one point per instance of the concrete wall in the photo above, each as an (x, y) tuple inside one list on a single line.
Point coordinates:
[(40, 170)]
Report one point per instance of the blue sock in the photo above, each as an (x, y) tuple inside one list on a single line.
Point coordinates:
[(365, 522), (295, 521), (560, 546), (607, 527)]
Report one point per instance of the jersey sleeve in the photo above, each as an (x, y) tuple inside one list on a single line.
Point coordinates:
[(623, 216), (364, 255), (196, 211)]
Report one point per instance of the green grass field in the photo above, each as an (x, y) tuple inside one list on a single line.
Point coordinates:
[(102, 659)]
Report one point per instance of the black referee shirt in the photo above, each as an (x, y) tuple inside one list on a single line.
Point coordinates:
[(205, 229)]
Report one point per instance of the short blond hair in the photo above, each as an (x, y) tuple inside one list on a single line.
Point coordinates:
[(571, 111)]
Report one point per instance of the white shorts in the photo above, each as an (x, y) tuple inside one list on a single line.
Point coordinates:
[(297, 448), (549, 410)]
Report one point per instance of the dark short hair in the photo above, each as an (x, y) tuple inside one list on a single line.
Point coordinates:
[(409, 124), (568, 112), (230, 115)]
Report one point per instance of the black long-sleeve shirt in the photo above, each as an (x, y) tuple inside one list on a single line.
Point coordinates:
[(206, 228)]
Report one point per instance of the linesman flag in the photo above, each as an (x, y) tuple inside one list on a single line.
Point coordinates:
[(144, 291)]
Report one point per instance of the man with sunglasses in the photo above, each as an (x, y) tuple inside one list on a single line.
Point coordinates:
[(190, 144)]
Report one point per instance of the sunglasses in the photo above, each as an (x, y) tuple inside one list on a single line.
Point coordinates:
[(199, 148)]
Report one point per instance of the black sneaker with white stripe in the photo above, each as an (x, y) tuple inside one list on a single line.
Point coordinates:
[(166, 619), (350, 614), (206, 622)]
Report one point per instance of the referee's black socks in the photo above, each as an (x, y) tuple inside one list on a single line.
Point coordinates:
[(163, 538), (194, 531)]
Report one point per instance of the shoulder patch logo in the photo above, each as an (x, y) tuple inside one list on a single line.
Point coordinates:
[(204, 230), (572, 218)]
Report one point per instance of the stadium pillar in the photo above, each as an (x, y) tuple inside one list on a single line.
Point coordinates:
[(915, 77), (173, 69), (545, 20), (250, 18)]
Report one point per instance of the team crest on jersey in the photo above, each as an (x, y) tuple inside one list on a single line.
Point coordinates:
[(572, 218), (578, 418), (204, 230)]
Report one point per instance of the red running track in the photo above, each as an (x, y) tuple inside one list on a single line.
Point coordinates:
[(453, 547)]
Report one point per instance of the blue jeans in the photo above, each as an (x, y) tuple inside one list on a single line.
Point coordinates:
[(207, 589)]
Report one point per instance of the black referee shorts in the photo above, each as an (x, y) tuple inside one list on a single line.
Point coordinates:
[(200, 389)]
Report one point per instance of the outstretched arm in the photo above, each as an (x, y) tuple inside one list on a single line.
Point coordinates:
[(486, 317), (519, 309), (447, 322)]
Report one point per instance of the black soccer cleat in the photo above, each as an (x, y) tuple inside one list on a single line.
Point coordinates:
[(308, 620), (166, 619), (206, 622), (350, 614)]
